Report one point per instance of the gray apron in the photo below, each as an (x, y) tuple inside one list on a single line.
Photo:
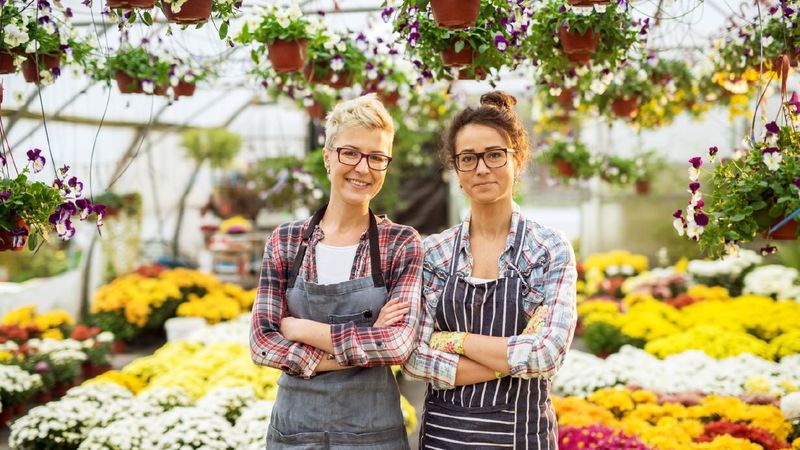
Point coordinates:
[(342, 409)]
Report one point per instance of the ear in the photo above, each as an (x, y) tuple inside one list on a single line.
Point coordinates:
[(325, 159)]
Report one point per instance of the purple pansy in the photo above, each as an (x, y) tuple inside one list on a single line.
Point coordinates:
[(694, 186), (773, 128), (712, 151), (696, 162), (500, 43), (770, 150), (4, 196), (18, 236), (700, 219), (677, 214), (35, 157), (768, 250)]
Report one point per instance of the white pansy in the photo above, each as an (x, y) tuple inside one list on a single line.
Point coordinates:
[(678, 225), (772, 160), (555, 91), (694, 174), (14, 35), (148, 86), (693, 230)]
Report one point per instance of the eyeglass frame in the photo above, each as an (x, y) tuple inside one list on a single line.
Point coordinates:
[(363, 155), (480, 156)]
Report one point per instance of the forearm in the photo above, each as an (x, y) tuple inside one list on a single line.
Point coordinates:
[(328, 365), (488, 351), (316, 334), (471, 372)]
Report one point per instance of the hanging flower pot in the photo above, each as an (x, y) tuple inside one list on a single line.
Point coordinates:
[(455, 14), (7, 62), (566, 99), (316, 111), (288, 56), (30, 68), (127, 85), (7, 238), (625, 107), (313, 74), (565, 169), (478, 73), (588, 2), (184, 89), (642, 187), (451, 58), (578, 47), (192, 12), (788, 232), (389, 98)]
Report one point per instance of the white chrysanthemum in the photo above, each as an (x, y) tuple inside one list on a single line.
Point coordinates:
[(253, 423), (166, 398), (228, 402)]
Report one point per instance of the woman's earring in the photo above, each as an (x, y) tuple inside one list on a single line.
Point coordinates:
[(328, 170)]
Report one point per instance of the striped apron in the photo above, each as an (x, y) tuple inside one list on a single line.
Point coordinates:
[(506, 413)]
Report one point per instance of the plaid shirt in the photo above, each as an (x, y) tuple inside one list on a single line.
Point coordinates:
[(547, 262), (401, 259)]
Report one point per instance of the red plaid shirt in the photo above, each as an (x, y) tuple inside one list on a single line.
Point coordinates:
[(401, 260)]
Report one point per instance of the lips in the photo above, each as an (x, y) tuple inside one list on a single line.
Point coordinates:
[(358, 184)]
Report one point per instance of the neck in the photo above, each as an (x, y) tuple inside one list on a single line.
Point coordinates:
[(491, 220), (342, 217)]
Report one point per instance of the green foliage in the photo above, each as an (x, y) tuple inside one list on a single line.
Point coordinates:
[(573, 152), (115, 323), (618, 170), (218, 146), (278, 22), (603, 338), (283, 183), (31, 201), (139, 64), (618, 34), (129, 203), (51, 259)]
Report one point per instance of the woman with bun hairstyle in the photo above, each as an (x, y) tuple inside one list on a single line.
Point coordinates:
[(498, 299), (323, 313)]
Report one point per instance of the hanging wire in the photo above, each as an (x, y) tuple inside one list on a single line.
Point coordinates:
[(105, 109)]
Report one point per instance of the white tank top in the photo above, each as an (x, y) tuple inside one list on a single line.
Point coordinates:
[(334, 263)]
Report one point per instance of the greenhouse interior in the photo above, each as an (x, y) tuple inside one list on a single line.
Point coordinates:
[(165, 165)]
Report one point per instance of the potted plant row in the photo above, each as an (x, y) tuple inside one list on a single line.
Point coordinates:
[(138, 71)]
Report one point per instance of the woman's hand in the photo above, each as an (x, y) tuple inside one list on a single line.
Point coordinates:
[(391, 313)]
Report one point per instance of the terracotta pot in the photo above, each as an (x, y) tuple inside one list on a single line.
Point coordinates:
[(787, 232), (580, 59), (565, 169), (588, 2), (118, 347), (192, 12), (343, 80), (7, 62), (455, 14), (7, 240), (565, 98), (43, 397), (184, 89), (30, 69), (582, 46), (90, 371), (6, 415), (288, 56), (127, 85), (316, 111), (642, 187), (451, 58), (389, 98), (19, 409), (625, 107)]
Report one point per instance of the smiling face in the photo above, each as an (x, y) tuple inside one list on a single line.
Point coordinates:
[(357, 185), (485, 185)]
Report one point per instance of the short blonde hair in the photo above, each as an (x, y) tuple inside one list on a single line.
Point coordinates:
[(365, 112)]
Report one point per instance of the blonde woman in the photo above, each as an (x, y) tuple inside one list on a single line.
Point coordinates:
[(499, 293), (323, 314)]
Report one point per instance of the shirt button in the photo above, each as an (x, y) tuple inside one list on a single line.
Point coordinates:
[(379, 343), (263, 353)]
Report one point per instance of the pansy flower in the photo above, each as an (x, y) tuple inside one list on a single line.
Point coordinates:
[(712, 153), (694, 171), (36, 159), (772, 158)]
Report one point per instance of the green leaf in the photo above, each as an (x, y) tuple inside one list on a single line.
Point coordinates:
[(147, 18), (737, 218), (459, 46), (132, 18), (761, 204), (32, 241), (223, 30), (483, 48)]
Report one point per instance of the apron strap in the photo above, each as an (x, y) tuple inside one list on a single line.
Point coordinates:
[(374, 250), (519, 240), (456, 251)]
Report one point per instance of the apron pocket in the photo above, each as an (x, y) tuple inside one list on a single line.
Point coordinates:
[(392, 439), (298, 441), (364, 318), (448, 426)]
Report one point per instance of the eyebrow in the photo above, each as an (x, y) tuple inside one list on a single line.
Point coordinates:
[(487, 149), (353, 147)]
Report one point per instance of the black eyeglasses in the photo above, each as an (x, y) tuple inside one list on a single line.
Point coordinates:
[(493, 158), (353, 157)]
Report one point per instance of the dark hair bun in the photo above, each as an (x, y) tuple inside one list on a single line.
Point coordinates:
[(498, 99)]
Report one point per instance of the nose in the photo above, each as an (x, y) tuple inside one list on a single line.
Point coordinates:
[(362, 166), (482, 167)]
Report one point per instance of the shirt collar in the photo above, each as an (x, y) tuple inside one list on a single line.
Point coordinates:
[(512, 232)]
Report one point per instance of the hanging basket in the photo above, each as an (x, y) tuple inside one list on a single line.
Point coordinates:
[(588, 2), (578, 48), (7, 62), (343, 79), (478, 73), (566, 99), (7, 240), (625, 107), (642, 187), (389, 98), (192, 12), (316, 111), (288, 56), (30, 68), (184, 89), (788, 232), (127, 84), (455, 14), (451, 58), (565, 169)]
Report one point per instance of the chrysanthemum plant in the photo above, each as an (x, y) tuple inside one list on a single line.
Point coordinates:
[(30, 209), (755, 193), (498, 39)]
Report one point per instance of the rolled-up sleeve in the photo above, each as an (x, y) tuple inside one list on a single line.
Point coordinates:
[(267, 346), (541, 352), (435, 367), (372, 346)]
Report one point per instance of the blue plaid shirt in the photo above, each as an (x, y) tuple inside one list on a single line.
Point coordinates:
[(547, 262)]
